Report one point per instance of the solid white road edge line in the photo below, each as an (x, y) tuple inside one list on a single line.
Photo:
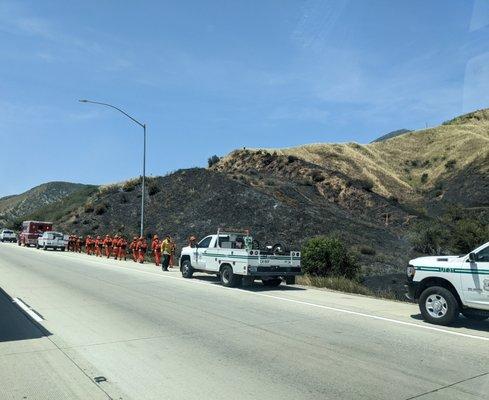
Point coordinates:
[(340, 310), (27, 310)]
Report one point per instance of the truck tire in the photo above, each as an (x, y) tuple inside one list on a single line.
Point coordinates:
[(62, 248), (272, 282), (187, 269), (438, 305), (476, 315), (290, 280), (228, 277)]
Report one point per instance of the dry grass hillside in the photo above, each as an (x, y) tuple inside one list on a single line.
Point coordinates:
[(409, 165)]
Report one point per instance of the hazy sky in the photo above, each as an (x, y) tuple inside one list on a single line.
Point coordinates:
[(211, 76)]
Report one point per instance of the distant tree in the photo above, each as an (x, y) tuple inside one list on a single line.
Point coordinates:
[(212, 160)]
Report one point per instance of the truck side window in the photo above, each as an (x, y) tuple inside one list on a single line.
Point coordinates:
[(205, 242), (483, 255)]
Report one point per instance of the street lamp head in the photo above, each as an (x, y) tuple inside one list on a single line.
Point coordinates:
[(83, 101)]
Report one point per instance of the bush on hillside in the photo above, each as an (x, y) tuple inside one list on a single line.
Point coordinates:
[(153, 188), (100, 209), (427, 238), (328, 256), (467, 234), (212, 160), (129, 186)]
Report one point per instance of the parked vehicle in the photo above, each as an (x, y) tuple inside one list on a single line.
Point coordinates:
[(236, 258), (6, 235), (32, 230), (52, 240), (447, 286)]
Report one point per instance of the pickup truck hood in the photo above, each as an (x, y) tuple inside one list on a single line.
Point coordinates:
[(435, 261)]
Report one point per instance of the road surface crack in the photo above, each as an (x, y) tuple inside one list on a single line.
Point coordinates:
[(447, 386)]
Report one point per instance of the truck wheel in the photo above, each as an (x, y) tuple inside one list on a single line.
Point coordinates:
[(228, 278), (438, 305), (476, 315), (272, 282), (290, 280), (187, 269)]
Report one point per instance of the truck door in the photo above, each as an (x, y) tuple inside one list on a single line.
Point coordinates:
[(200, 252), (475, 280)]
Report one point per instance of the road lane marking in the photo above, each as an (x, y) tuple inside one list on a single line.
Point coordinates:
[(306, 303), (36, 317)]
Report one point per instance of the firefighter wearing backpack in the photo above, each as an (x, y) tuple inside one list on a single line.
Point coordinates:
[(142, 247)]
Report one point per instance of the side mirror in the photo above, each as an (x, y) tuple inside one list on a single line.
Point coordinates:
[(472, 257)]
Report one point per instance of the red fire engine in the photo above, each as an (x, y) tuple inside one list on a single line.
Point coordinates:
[(31, 230)]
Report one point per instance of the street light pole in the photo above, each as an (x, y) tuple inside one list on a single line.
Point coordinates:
[(143, 184)]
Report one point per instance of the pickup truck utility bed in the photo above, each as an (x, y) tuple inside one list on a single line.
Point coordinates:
[(236, 258)]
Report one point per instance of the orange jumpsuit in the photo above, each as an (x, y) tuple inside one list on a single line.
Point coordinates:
[(133, 248), (88, 245), (115, 247), (142, 247), (156, 247), (108, 246), (122, 248), (79, 245), (98, 247)]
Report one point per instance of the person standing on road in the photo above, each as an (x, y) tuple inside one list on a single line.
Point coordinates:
[(156, 249), (115, 247), (88, 245), (142, 247), (134, 248), (122, 245), (192, 241), (166, 248), (79, 244), (108, 245), (98, 247), (172, 252)]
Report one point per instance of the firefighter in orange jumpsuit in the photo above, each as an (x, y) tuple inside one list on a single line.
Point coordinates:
[(122, 248), (115, 247), (108, 245), (156, 249), (133, 248), (142, 247), (88, 244), (98, 247), (79, 244)]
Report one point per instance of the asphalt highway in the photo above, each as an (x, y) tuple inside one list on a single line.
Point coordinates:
[(77, 327)]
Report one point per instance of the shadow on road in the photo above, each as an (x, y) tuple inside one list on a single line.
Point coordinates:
[(15, 324), (255, 287), (463, 322)]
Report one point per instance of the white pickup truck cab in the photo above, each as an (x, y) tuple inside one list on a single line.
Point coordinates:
[(51, 240), (236, 258), (446, 286)]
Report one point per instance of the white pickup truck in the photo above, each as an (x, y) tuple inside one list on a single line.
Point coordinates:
[(52, 240), (446, 286), (236, 258)]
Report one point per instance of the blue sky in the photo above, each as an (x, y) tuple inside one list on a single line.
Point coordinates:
[(211, 76)]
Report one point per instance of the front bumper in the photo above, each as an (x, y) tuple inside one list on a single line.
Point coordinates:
[(412, 290), (271, 270)]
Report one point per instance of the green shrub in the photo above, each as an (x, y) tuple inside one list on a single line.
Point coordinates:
[(467, 234), (366, 184), (212, 160), (427, 237), (328, 256), (367, 250), (317, 176), (130, 185), (153, 188), (100, 209), (424, 177)]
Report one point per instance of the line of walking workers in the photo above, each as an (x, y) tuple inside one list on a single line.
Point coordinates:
[(118, 247)]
